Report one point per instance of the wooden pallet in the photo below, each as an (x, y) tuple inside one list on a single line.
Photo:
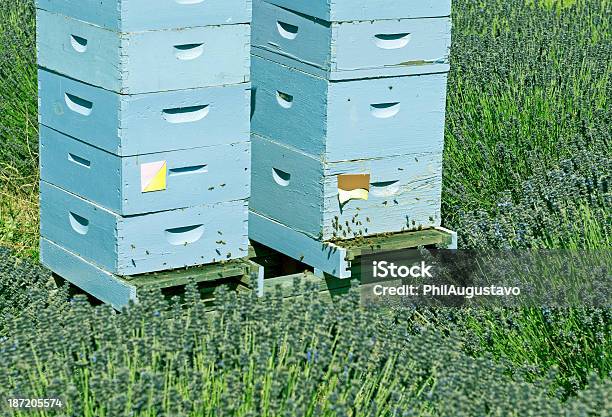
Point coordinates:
[(264, 270), (328, 287), (119, 291)]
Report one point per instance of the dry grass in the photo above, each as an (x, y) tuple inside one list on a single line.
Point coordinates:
[(19, 220)]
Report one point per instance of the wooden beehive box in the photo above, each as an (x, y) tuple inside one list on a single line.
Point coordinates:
[(346, 199), (350, 48), (129, 245), (348, 121), (145, 134), (129, 125), (351, 119), (116, 183)]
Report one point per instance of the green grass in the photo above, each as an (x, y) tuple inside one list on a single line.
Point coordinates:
[(18, 90), (19, 219), (18, 128), (573, 344)]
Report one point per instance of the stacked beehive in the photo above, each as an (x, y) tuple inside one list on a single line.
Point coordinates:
[(144, 134), (348, 118)]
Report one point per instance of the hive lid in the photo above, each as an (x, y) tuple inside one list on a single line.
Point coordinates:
[(144, 15), (350, 10)]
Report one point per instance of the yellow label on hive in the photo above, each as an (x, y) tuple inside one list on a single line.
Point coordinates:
[(153, 176)]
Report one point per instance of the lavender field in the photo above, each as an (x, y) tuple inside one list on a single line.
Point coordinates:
[(528, 166)]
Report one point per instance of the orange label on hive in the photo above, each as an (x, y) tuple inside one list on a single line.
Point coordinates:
[(353, 187)]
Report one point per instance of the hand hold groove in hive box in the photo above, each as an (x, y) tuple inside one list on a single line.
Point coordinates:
[(79, 161), (385, 188), (287, 30), (189, 51), (185, 235), (78, 104), (282, 178), (186, 114), (385, 110), (396, 41), (79, 44), (197, 169), (79, 224), (285, 100)]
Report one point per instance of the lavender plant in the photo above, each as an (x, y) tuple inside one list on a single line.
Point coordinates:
[(527, 83), (256, 357), (306, 357)]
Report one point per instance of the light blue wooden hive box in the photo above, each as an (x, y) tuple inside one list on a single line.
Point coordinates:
[(144, 137), (348, 119)]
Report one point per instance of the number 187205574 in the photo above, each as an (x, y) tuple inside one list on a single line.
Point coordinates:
[(35, 403)]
